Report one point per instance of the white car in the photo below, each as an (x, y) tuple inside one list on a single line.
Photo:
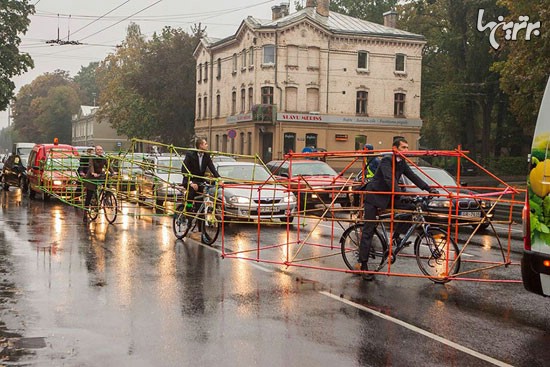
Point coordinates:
[(159, 177), (249, 192)]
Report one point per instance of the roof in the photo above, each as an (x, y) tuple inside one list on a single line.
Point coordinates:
[(335, 23), (87, 110)]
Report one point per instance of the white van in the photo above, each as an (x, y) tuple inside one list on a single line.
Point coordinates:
[(22, 149), (535, 264)]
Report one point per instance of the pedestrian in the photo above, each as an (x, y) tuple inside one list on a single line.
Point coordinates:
[(194, 168), (387, 176), (96, 173)]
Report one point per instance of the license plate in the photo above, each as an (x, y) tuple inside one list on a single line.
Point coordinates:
[(470, 214)]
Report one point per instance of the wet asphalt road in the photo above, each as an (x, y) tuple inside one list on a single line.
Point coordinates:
[(129, 294)]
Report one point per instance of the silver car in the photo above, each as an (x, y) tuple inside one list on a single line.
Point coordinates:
[(249, 192), (160, 176)]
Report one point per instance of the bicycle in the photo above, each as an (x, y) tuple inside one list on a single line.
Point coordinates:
[(103, 200), (435, 257), (186, 218)]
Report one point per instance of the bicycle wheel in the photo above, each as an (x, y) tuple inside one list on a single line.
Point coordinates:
[(437, 256), (181, 222), (93, 209), (349, 247), (210, 225), (109, 204)]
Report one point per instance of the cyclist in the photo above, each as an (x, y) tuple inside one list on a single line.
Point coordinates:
[(194, 168), (97, 167), (383, 181)]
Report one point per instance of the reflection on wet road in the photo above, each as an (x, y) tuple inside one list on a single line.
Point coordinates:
[(129, 294)]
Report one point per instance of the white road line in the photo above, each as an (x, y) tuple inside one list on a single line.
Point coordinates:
[(416, 329)]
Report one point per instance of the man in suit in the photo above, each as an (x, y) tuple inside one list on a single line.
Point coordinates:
[(384, 180), (194, 167)]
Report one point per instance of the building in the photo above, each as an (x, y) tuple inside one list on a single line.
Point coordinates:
[(87, 131), (311, 78)]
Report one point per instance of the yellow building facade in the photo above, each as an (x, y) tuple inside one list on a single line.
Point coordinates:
[(311, 78)]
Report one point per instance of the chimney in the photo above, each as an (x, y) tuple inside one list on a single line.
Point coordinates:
[(310, 3), (390, 18), (284, 9), (275, 12), (322, 7)]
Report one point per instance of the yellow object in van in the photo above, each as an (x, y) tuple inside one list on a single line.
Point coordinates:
[(540, 178)]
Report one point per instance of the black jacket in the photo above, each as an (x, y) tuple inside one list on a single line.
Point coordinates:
[(382, 181), (192, 171)]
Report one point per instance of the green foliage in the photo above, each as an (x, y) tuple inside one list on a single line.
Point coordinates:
[(86, 79), (148, 87), (525, 71), (507, 166), (14, 19), (32, 118)]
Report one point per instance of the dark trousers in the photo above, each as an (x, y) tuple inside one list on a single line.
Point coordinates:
[(191, 194), (89, 194), (371, 223)]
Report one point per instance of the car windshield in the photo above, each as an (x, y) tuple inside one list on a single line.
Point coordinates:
[(440, 176), (244, 172), (62, 163), (312, 169), (24, 151), (171, 165)]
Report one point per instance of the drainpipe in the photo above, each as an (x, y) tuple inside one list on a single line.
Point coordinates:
[(211, 91), (279, 135), (328, 76)]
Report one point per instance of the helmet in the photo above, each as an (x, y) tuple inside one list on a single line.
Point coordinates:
[(368, 147)]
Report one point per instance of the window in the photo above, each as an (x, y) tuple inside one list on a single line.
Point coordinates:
[(400, 63), (243, 59), (250, 98), (267, 95), (243, 100), (292, 55), (199, 106), (363, 60), (311, 140), (234, 63), (199, 73), (249, 143), (360, 141), (217, 142), (289, 142), (312, 101), (241, 143), (291, 99), (224, 143), (205, 71), (219, 68), (233, 102), (313, 55), (218, 105), (269, 54), (251, 56), (361, 103), (205, 100), (399, 105)]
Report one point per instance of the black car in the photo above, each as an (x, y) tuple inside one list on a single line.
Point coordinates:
[(14, 172), (470, 209)]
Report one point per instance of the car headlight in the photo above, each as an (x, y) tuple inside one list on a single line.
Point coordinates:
[(239, 200), (439, 204), (289, 198), (57, 182), (125, 177)]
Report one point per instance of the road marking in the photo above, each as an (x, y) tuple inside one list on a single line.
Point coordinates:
[(416, 329)]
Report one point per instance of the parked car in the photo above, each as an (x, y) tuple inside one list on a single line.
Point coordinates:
[(315, 182), (158, 177), (250, 192), (223, 158), (14, 172), (52, 170), (469, 207), (128, 169)]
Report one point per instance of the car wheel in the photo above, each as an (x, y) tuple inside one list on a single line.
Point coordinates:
[(482, 227)]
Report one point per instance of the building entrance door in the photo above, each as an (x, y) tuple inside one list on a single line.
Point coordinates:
[(267, 146)]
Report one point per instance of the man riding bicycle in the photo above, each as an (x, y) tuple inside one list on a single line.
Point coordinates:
[(95, 175), (194, 168)]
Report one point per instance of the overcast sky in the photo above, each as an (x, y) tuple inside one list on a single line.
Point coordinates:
[(101, 25)]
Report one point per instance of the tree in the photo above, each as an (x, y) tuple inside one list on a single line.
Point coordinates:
[(86, 79), (14, 19), (55, 113), (371, 10), (31, 120), (525, 71), (148, 87)]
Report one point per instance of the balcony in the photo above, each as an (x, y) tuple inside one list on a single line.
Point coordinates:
[(262, 112)]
